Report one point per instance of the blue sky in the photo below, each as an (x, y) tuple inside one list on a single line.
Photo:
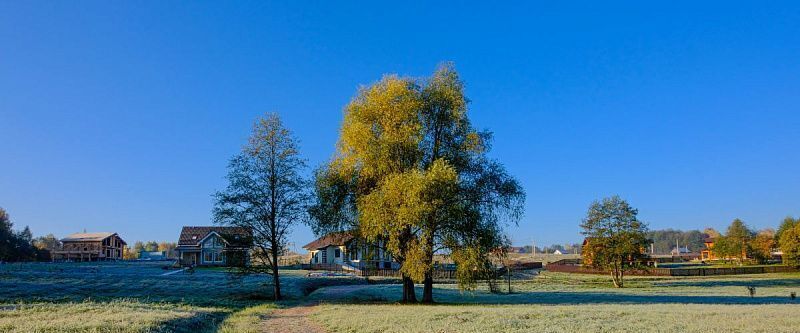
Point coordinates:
[(121, 116)]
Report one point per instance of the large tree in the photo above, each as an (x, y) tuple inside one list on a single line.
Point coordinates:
[(616, 237), (739, 236), (412, 171), (266, 194), (789, 242), (787, 223), (762, 245)]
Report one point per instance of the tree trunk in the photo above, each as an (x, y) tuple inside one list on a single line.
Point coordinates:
[(409, 296), (277, 280), (616, 275), (508, 273), (427, 289)]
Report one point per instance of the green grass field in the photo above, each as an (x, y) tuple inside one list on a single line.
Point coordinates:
[(135, 297)]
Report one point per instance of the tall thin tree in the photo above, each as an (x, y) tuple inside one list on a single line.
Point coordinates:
[(266, 194)]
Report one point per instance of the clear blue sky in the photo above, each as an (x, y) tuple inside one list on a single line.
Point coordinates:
[(121, 116)]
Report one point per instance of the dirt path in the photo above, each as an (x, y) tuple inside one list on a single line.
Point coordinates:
[(292, 320), (296, 319)]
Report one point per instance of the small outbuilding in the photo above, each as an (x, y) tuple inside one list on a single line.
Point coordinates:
[(152, 255)]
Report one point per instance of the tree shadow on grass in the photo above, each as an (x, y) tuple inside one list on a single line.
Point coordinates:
[(390, 295), (201, 322)]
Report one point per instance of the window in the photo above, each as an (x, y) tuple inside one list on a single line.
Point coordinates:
[(354, 254), (325, 256), (213, 242), (213, 256), (337, 253)]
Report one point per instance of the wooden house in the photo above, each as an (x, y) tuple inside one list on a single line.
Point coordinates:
[(214, 246), (90, 247), (708, 253)]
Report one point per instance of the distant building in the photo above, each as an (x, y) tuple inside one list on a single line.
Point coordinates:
[(90, 247), (214, 246), (517, 249), (152, 255), (680, 251), (557, 252), (343, 250), (708, 252)]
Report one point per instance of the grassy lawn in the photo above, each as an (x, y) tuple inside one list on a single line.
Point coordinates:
[(135, 297), (582, 303)]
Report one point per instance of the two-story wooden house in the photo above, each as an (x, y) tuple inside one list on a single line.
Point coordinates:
[(90, 247), (214, 246)]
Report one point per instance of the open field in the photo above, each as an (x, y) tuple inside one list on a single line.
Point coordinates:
[(131, 297), (555, 302), (135, 297)]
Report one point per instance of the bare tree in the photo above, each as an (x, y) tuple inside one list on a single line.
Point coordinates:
[(266, 194)]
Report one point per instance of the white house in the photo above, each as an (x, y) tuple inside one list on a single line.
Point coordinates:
[(344, 250), (557, 252)]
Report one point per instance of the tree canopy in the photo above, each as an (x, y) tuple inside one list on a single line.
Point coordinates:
[(616, 238), (411, 170), (266, 194), (789, 241), (15, 245)]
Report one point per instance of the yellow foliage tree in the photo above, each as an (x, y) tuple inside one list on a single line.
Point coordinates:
[(410, 171)]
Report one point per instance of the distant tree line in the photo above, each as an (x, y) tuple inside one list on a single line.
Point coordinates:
[(574, 248), (151, 246), (740, 243), (17, 245), (664, 240)]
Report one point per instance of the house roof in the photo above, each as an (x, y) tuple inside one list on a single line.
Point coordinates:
[(334, 238), (89, 237), (237, 236)]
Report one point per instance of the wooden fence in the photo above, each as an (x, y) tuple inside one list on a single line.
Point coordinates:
[(438, 274), (591, 270), (729, 270), (574, 267)]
